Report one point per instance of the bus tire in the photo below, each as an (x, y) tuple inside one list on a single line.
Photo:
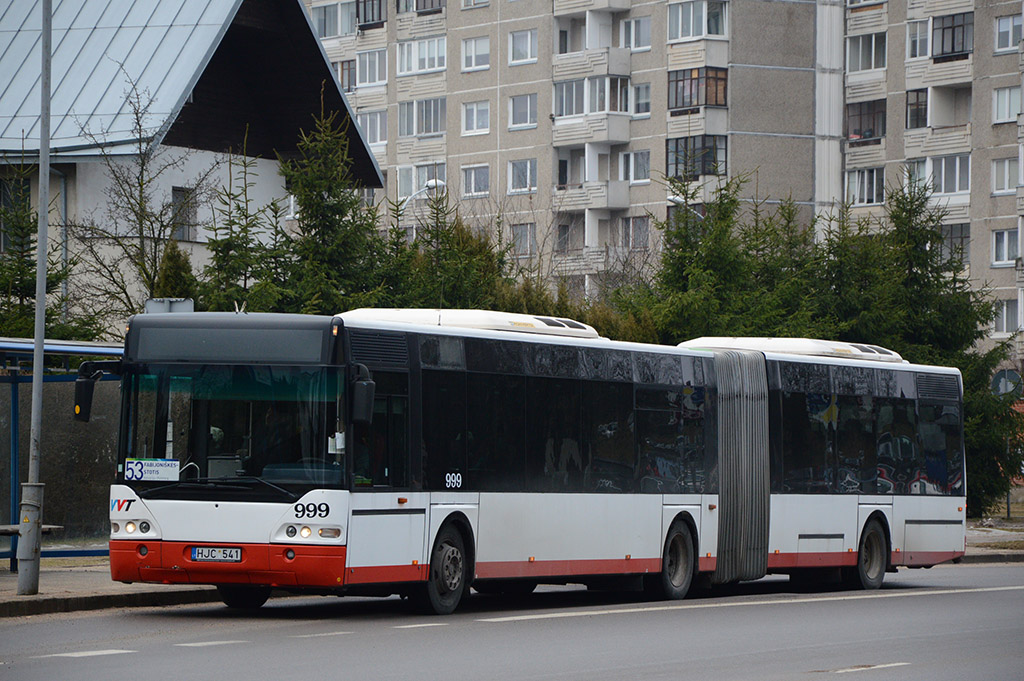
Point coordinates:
[(677, 563), (871, 559), (243, 597), (446, 581)]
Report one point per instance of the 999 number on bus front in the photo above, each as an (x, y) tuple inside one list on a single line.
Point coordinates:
[(312, 510)]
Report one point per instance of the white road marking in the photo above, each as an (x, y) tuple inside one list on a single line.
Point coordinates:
[(736, 604), (323, 635), (421, 626), (868, 667), (88, 653), (203, 644)]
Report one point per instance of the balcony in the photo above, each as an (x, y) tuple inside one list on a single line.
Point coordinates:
[(604, 61), (595, 195), (940, 141), (610, 128), (567, 7), (922, 73)]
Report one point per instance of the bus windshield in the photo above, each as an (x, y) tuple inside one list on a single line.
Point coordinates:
[(281, 425)]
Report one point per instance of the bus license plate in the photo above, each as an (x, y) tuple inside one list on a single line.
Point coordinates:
[(216, 554)]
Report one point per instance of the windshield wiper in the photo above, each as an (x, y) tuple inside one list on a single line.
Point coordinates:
[(219, 483)]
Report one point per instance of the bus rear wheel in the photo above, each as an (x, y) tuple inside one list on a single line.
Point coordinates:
[(446, 582), (677, 563), (871, 559), (243, 597)]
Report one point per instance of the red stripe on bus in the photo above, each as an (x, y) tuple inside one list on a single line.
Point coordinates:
[(566, 568), (916, 558), (782, 561), (386, 574), (171, 563)]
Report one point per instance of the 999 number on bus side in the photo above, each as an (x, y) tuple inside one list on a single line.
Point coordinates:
[(312, 510), (453, 480)]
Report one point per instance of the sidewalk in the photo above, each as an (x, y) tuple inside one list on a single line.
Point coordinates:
[(67, 585)]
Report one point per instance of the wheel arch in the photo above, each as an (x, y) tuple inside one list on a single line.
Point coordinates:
[(464, 527), (685, 518), (883, 521)]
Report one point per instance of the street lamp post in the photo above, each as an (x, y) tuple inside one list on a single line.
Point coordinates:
[(427, 186), (681, 202)]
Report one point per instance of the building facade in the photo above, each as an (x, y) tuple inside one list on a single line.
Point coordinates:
[(564, 117)]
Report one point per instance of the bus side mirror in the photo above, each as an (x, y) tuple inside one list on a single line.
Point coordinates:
[(84, 386), (363, 389)]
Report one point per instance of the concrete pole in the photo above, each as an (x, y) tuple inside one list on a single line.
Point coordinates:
[(32, 491)]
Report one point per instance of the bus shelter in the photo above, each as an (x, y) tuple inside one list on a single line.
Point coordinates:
[(78, 460)]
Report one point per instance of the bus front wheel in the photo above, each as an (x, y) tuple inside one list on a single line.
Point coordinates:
[(243, 597), (446, 582), (871, 563), (676, 565)]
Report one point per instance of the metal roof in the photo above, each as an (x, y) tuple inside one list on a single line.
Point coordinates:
[(271, 71), (100, 49)]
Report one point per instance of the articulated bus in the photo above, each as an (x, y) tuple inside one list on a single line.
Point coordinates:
[(425, 452)]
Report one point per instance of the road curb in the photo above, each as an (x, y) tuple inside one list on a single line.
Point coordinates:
[(36, 605), (1005, 557)]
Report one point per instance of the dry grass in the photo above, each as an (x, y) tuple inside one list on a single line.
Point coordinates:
[(1014, 545)]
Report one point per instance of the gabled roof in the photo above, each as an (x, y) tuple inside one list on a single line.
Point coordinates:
[(212, 74)]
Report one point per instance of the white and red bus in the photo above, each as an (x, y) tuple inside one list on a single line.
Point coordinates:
[(422, 452)]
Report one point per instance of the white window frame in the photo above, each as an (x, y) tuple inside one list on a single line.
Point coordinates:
[(1007, 27), (411, 115), (475, 108), (860, 40), (628, 234), (327, 10), (531, 106), (470, 180), (600, 90), (380, 64), (471, 52), (865, 186), (412, 178), (682, 17), (531, 176), (1005, 104), (529, 238), (474, 4), (1005, 174), (633, 32), (531, 36), (427, 55), (922, 40), (570, 98), (1005, 247), (374, 125), (1002, 325), (938, 174), (630, 162), (637, 99)]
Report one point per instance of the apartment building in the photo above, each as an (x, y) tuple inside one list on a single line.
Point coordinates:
[(565, 116)]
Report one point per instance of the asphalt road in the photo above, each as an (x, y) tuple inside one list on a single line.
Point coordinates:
[(955, 622)]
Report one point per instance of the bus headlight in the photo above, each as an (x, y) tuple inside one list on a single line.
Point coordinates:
[(330, 532), (291, 531), (129, 527), (305, 532)]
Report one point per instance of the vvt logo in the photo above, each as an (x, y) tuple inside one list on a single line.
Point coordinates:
[(121, 504)]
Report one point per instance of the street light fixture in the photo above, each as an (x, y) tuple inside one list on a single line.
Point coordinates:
[(681, 202), (427, 186)]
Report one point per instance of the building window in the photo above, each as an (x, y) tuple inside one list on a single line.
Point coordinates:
[(412, 179), (374, 125), (349, 23), (522, 176), (636, 34), (14, 196), (916, 170), (1004, 175), (372, 67), (865, 120), (569, 238), (690, 88), (422, 117), (917, 109), (469, 4), (569, 98), (1004, 247), (524, 239), (184, 226), (635, 233), (421, 56), (951, 174), (371, 12), (522, 46), (476, 54), (865, 52), (635, 167), (956, 242), (953, 36), (609, 94), (865, 187), (1006, 316), (696, 19), (689, 157), (476, 180), (429, 6), (403, 6), (347, 74), (642, 99), (1008, 30), (1005, 104), (917, 39), (476, 118), (325, 20), (523, 111)]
